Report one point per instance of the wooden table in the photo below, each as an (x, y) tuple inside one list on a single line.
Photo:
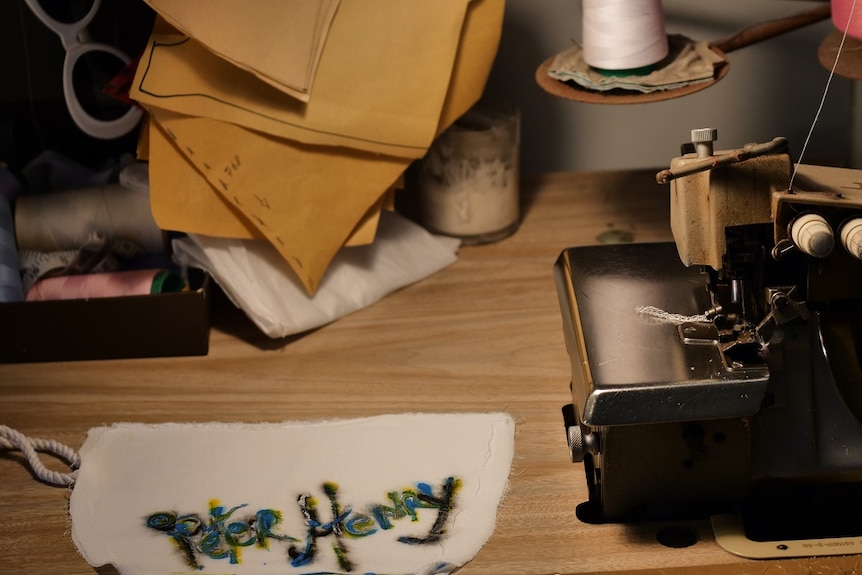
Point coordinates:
[(483, 335)]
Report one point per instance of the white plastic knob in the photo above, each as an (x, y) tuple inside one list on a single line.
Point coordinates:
[(703, 138), (851, 237), (704, 135), (813, 235)]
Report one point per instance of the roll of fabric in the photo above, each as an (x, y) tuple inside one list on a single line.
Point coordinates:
[(66, 220), (35, 265), (10, 271), (96, 255), (108, 284)]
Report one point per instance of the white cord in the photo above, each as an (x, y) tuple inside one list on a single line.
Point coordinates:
[(668, 317), (823, 99), (12, 439)]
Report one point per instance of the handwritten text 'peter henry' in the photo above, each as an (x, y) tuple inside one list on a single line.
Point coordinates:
[(225, 532)]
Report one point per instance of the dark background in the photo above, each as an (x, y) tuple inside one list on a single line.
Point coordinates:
[(33, 114)]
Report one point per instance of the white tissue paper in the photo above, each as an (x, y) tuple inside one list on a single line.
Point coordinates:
[(400, 494), (258, 280)]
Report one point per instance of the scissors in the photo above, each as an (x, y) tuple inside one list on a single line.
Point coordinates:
[(76, 42)]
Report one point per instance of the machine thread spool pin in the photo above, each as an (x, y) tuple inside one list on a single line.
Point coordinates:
[(851, 237), (813, 235)]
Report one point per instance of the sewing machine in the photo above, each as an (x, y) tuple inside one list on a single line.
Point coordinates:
[(719, 376)]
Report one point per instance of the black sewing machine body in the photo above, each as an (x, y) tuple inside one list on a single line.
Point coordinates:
[(721, 373)]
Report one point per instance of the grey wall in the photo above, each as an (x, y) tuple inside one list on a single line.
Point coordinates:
[(774, 88)]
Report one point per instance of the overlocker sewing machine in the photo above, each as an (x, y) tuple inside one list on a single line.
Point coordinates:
[(719, 375)]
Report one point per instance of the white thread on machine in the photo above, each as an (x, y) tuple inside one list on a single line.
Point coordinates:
[(668, 317), (825, 93), (623, 34)]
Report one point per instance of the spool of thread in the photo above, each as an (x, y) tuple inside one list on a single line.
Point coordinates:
[(10, 272), (847, 17), (624, 36), (65, 220), (108, 284)]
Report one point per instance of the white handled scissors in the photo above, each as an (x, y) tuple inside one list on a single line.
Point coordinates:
[(76, 42)]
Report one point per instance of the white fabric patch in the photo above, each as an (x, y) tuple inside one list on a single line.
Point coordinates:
[(406, 494)]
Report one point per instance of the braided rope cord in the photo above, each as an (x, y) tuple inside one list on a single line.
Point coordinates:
[(29, 446)]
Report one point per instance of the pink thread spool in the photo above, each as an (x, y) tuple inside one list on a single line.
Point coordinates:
[(843, 19)]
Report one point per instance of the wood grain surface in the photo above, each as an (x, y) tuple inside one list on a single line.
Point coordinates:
[(482, 335)]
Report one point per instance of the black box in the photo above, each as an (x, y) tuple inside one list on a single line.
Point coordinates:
[(156, 325)]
